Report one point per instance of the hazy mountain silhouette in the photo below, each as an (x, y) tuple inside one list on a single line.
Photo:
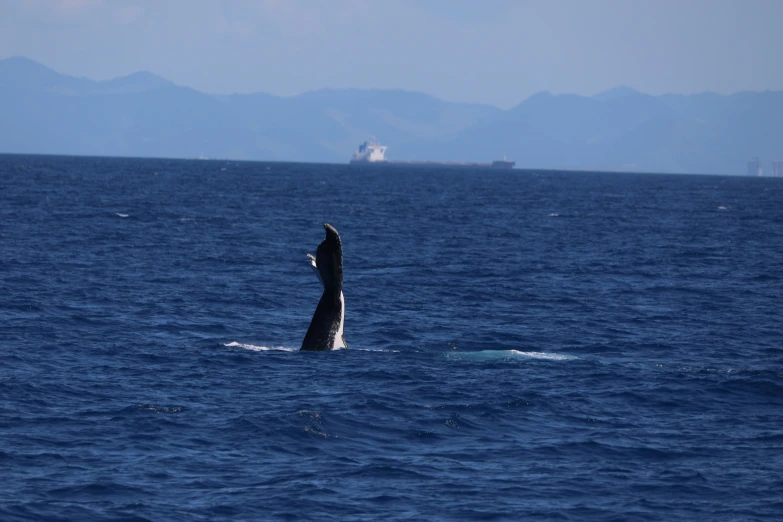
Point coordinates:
[(145, 115), (616, 92)]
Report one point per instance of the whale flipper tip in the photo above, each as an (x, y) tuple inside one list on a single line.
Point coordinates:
[(331, 233)]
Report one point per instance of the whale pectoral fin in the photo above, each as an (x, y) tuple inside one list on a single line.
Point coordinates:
[(326, 330), (315, 267)]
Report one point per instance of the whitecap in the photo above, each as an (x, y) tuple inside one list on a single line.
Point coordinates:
[(544, 355), (121, 215), (255, 348), (554, 214), (487, 355), (353, 348)]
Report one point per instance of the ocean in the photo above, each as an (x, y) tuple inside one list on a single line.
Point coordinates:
[(522, 345)]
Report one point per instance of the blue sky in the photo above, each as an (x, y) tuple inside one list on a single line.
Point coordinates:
[(494, 51)]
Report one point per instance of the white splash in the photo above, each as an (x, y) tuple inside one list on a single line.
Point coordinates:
[(121, 215), (260, 348), (255, 348)]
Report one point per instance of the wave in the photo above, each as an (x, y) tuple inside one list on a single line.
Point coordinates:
[(482, 355), (256, 348), (488, 355), (260, 348)]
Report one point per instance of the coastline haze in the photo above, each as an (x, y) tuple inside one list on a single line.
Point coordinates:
[(557, 85)]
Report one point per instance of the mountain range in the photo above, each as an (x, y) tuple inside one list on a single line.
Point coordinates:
[(45, 112)]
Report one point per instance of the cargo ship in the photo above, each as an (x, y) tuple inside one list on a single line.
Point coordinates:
[(372, 152)]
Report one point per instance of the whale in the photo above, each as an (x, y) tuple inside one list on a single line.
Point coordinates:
[(326, 331)]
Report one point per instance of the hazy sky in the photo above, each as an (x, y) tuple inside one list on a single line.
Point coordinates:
[(491, 51)]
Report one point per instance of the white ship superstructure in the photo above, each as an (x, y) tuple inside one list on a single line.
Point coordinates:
[(373, 152), (370, 152)]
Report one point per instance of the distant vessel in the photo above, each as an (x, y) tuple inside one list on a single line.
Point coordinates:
[(373, 152), (370, 152), (503, 164)]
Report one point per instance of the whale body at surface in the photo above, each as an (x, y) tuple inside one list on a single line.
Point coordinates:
[(326, 331)]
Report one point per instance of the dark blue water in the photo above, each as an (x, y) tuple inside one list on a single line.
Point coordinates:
[(539, 346)]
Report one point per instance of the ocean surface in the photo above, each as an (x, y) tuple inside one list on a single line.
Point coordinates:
[(522, 345)]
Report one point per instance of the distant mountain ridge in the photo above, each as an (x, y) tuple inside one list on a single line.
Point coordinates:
[(23, 73), (621, 129)]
